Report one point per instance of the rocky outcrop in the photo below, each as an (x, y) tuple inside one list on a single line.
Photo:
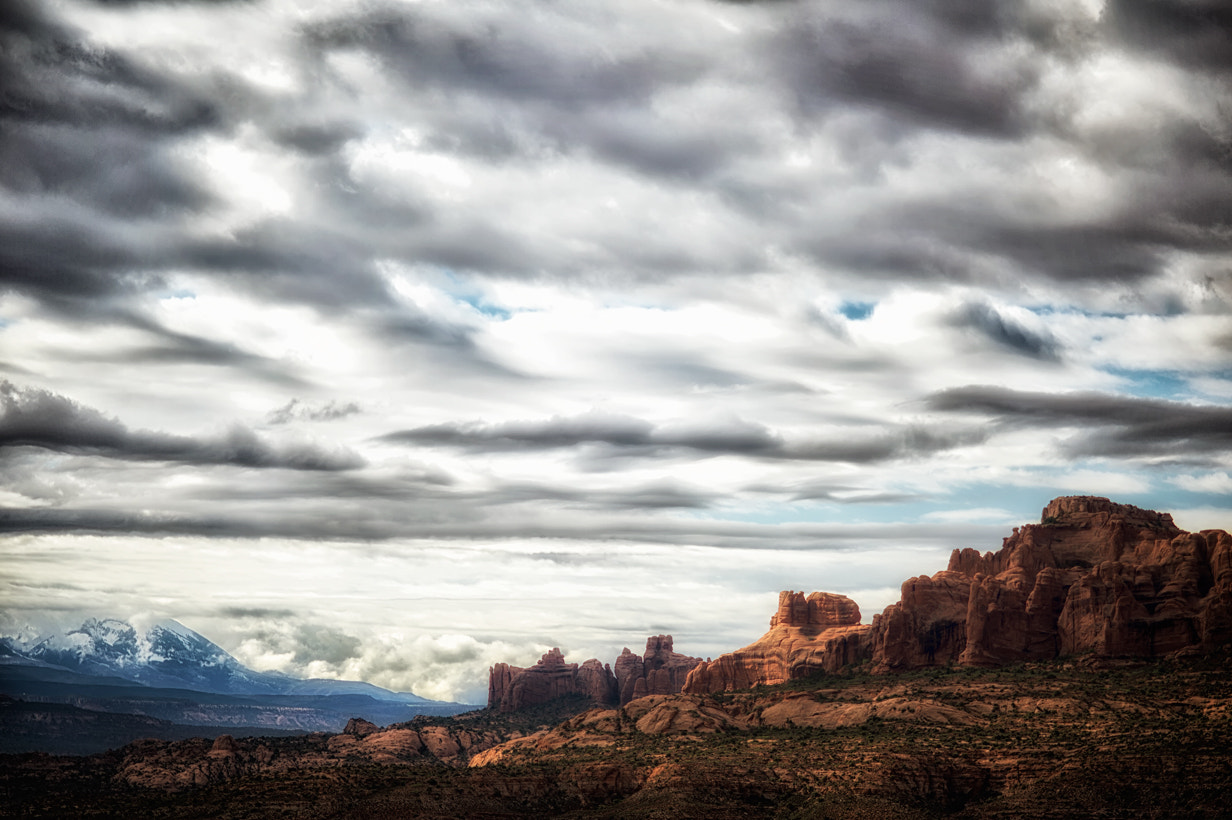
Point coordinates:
[(1096, 577), (661, 671), (1093, 577), (821, 632), (360, 727), (511, 688), (186, 764), (927, 626)]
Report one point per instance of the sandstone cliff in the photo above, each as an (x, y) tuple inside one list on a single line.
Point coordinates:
[(1092, 577), (661, 671), (511, 687), (819, 633)]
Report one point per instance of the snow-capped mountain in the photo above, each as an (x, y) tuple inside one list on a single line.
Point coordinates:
[(170, 655)]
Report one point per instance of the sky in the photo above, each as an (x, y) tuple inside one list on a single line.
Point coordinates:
[(389, 340)]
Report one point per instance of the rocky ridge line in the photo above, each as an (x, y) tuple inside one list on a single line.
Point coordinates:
[(1092, 577)]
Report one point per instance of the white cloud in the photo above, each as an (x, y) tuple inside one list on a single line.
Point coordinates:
[(1214, 482)]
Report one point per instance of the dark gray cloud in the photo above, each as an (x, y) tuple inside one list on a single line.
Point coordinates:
[(51, 77), (93, 127), (119, 173), (323, 137), (523, 93), (1192, 33), (1005, 332), (660, 495), (364, 527), (424, 495), (505, 59), (254, 612), (99, 128), (903, 64), (1125, 426), (832, 492), (639, 437), (39, 418), (316, 642), (94, 146)]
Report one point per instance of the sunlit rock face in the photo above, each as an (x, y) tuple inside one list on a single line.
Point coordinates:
[(1093, 577), (820, 632)]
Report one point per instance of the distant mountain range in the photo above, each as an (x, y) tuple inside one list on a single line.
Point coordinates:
[(170, 654), (177, 676)]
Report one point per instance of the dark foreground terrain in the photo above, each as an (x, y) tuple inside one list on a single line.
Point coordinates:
[(1060, 739)]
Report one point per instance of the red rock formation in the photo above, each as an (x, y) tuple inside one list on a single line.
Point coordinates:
[(360, 727), (821, 609), (511, 688), (1092, 577), (660, 672), (819, 633), (596, 681), (926, 626), (500, 680)]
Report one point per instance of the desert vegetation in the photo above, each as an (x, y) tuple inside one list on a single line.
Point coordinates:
[(1081, 736)]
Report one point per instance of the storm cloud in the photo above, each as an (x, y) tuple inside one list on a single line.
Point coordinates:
[(39, 418), (1124, 426), (641, 437)]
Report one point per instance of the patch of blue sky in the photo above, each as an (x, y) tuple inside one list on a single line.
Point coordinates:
[(1156, 384), (177, 293), (828, 511), (482, 306), (857, 311), (999, 505), (1053, 310), (1025, 502), (470, 294)]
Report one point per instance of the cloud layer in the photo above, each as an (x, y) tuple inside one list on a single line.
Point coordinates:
[(426, 318)]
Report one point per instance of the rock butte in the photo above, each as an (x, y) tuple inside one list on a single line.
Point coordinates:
[(1093, 577), (660, 671)]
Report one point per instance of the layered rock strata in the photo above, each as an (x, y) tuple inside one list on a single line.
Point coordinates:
[(1093, 577)]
